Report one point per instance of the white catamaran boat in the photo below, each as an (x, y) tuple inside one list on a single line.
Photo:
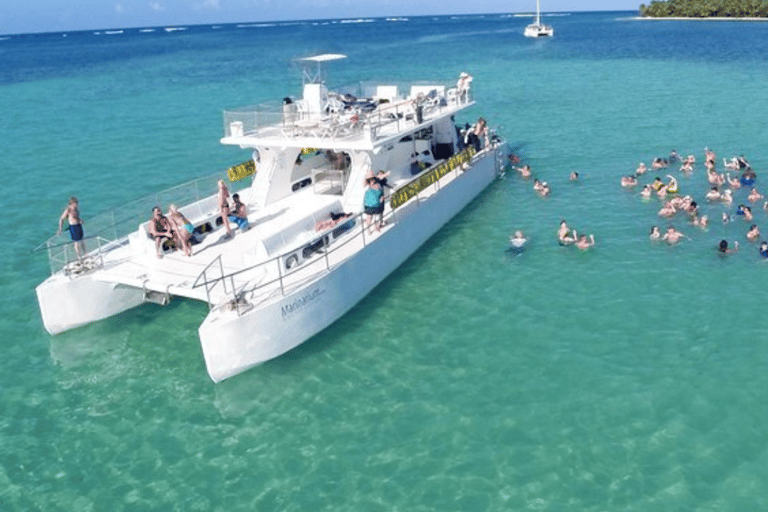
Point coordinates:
[(298, 268), (538, 29)]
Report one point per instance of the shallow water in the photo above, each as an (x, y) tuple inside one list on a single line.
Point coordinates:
[(628, 377)]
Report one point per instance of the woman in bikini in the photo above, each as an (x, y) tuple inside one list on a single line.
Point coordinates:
[(224, 206), (183, 230)]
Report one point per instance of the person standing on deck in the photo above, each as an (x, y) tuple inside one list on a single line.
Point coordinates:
[(72, 214), (224, 206)]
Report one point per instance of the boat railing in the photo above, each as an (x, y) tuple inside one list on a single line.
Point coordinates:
[(116, 224), (329, 243), (401, 105), (90, 257)]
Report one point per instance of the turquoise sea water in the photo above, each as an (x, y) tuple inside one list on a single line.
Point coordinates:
[(630, 377)]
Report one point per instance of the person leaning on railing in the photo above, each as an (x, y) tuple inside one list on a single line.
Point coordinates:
[(373, 203)]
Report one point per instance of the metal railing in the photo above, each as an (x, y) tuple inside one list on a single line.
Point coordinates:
[(117, 223), (401, 111), (319, 244)]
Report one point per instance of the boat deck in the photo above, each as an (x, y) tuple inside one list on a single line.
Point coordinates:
[(251, 272)]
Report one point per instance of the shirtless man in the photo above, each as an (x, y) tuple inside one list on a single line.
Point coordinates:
[(713, 194), (628, 181), (646, 192), (585, 243), (672, 236), (700, 222), (239, 213), (525, 171), (753, 234), (668, 210), (161, 230), (72, 214), (641, 168), (754, 196), (564, 235), (224, 206)]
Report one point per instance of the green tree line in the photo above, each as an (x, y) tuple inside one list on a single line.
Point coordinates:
[(706, 8)]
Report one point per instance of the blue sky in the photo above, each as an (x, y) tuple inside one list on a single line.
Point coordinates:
[(23, 16)]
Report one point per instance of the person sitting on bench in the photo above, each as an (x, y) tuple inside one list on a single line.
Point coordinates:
[(160, 229)]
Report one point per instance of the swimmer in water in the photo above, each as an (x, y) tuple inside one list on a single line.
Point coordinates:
[(628, 181), (641, 168), (564, 234), (543, 189), (732, 182), (646, 192), (672, 236), (754, 196), (657, 183), (713, 194), (517, 242), (700, 222), (763, 250), (723, 249), (655, 234), (574, 176), (585, 243), (753, 234), (667, 210), (525, 171), (727, 196)]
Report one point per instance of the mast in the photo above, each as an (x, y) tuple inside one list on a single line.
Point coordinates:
[(538, 14)]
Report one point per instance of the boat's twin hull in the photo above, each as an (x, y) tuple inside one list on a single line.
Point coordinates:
[(232, 344), (69, 303)]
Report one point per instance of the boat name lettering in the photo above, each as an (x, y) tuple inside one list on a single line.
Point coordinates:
[(410, 190), (301, 302), (241, 171)]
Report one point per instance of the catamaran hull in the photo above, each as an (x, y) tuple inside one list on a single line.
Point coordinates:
[(232, 344), (69, 303)]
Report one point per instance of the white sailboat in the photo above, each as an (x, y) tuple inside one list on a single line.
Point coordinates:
[(298, 267), (538, 29)]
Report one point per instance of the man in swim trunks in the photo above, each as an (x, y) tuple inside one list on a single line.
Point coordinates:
[(239, 213), (160, 229), (72, 214)]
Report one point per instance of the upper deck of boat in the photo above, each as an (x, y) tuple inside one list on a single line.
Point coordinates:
[(357, 126)]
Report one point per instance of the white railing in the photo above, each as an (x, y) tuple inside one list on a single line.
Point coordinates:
[(111, 228), (338, 122), (283, 276)]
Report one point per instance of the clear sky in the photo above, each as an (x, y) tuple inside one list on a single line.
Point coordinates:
[(23, 16)]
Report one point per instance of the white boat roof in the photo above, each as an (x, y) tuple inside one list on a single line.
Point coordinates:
[(325, 57)]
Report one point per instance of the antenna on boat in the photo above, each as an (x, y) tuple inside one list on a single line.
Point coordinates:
[(312, 70)]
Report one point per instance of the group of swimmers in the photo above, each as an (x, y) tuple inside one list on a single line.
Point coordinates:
[(686, 203), (675, 204), (565, 235)]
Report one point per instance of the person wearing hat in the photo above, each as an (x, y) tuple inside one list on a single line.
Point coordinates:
[(462, 86)]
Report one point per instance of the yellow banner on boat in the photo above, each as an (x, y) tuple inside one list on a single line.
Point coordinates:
[(408, 191), (308, 151), (241, 171)]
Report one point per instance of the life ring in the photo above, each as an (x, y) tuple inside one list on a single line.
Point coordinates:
[(291, 261)]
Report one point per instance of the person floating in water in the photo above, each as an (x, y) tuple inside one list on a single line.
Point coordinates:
[(763, 250), (564, 234), (517, 242), (585, 243), (72, 215), (753, 234), (723, 249), (672, 236)]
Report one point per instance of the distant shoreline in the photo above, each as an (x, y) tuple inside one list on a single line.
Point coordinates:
[(686, 18)]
